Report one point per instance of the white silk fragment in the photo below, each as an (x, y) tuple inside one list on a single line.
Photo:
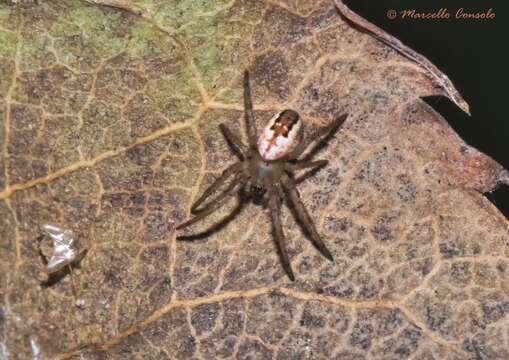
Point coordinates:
[(63, 251)]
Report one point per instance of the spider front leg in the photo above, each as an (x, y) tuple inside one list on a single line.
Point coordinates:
[(322, 136), (236, 184), (252, 133), (230, 170), (234, 141), (306, 164), (275, 214), (303, 215)]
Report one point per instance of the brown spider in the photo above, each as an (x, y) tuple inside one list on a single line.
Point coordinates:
[(265, 172)]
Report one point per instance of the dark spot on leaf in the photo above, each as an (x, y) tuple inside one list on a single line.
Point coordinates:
[(203, 317), (361, 336)]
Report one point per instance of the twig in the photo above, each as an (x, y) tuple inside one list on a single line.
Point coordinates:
[(126, 5)]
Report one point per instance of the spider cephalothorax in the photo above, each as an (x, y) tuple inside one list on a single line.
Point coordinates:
[(265, 172)]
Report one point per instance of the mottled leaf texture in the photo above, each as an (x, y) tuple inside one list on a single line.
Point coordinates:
[(110, 114)]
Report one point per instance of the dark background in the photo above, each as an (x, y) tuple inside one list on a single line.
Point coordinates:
[(473, 54)]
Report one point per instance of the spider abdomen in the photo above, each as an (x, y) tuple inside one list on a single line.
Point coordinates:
[(280, 136)]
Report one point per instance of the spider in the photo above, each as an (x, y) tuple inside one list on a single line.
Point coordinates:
[(265, 172)]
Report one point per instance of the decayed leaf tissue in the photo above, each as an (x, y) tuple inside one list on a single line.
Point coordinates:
[(110, 114)]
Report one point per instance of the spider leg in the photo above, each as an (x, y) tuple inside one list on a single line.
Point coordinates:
[(303, 215), (275, 214), (234, 141), (237, 183), (315, 165), (214, 227), (322, 135), (305, 165), (232, 169), (248, 112)]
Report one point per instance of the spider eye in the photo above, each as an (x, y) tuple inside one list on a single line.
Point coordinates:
[(256, 189)]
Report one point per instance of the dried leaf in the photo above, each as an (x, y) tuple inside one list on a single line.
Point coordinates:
[(110, 125)]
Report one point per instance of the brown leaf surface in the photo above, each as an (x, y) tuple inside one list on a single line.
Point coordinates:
[(110, 119)]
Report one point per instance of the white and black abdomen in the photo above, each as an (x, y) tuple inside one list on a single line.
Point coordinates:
[(280, 136)]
